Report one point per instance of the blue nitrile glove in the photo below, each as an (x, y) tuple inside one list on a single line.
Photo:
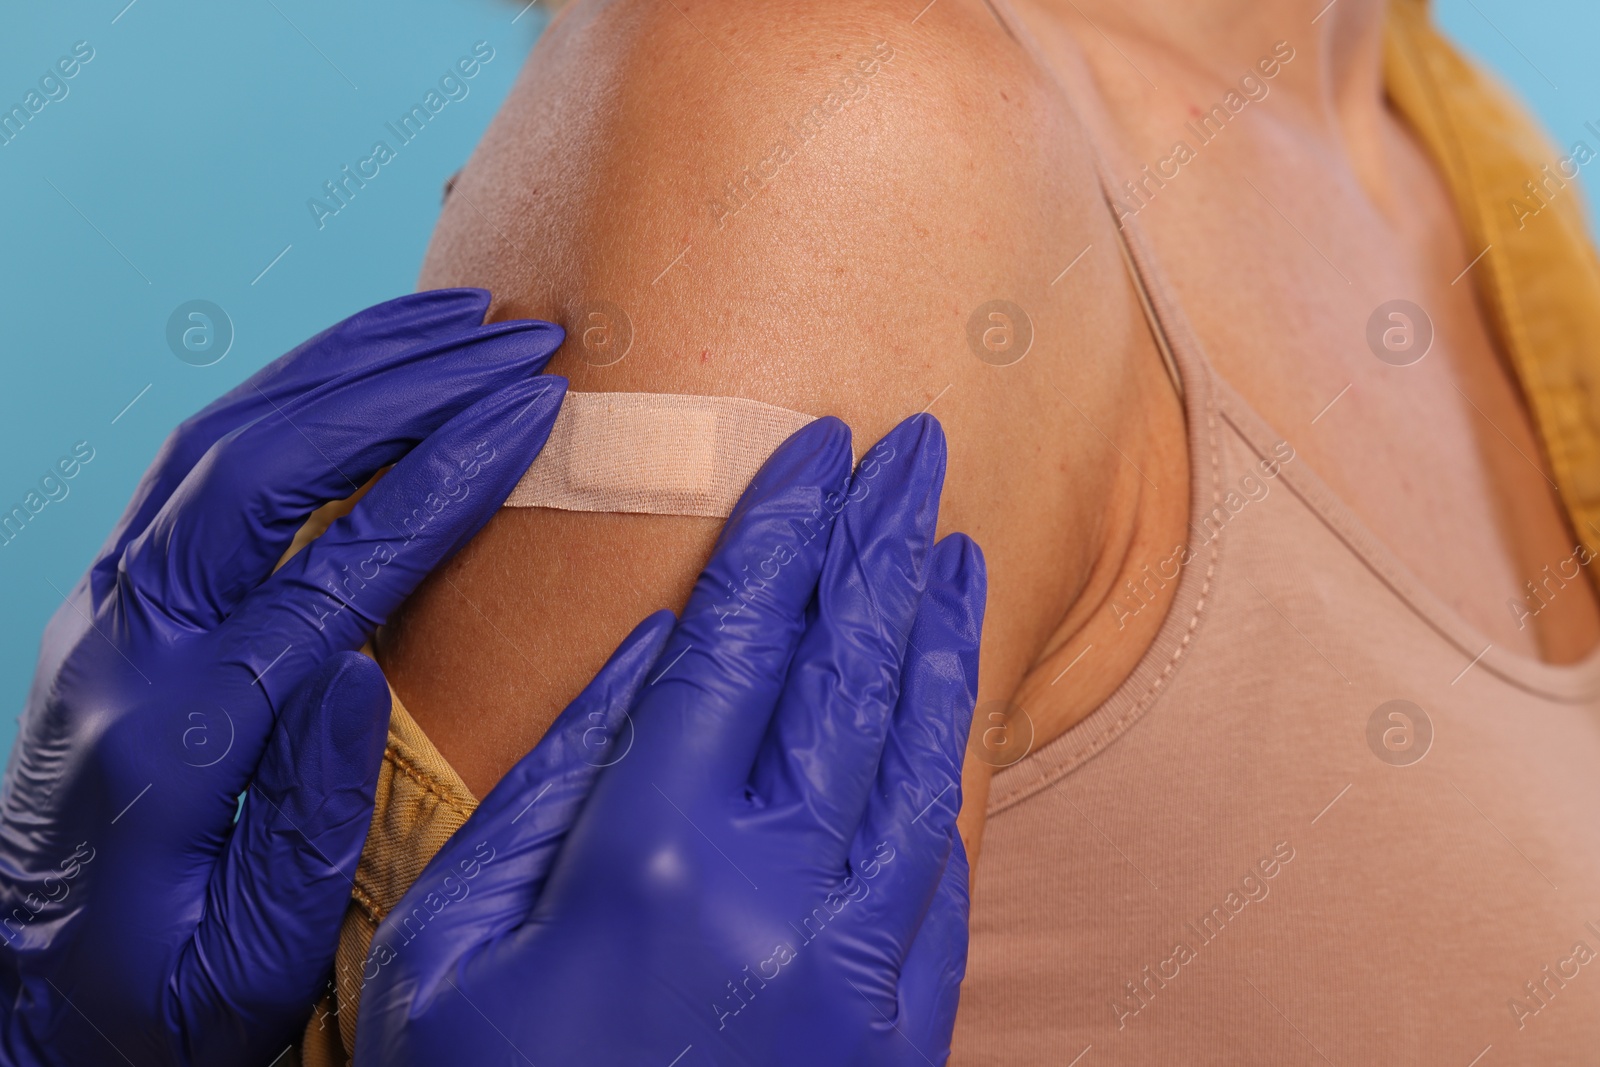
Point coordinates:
[(766, 871), (138, 923)]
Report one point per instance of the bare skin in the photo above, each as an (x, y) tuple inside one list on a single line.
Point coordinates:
[(1438, 458), (845, 287)]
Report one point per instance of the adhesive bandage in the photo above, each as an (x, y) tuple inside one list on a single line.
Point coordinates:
[(653, 453)]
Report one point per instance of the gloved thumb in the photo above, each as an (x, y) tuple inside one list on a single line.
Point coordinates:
[(262, 952)]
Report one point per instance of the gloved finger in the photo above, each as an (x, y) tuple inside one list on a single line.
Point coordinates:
[(709, 703), (911, 817), (336, 592), (502, 855), (822, 753), (231, 519), (365, 339), (277, 896), (930, 979)]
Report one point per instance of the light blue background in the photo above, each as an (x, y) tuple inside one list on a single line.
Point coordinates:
[(191, 143)]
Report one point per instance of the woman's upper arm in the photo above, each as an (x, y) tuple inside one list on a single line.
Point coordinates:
[(804, 207)]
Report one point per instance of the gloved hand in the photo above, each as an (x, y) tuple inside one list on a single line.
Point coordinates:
[(138, 923), (766, 871)]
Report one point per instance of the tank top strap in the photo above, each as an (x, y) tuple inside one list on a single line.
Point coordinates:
[(1210, 400), (1181, 351)]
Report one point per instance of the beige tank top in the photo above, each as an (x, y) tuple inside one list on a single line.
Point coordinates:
[(1323, 822)]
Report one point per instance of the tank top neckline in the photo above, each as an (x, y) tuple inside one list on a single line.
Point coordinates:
[(1208, 400)]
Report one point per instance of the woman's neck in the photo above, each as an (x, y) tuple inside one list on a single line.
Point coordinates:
[(1336, 78)]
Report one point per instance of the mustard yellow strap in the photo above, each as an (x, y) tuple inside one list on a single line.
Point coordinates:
[(1519, 204)]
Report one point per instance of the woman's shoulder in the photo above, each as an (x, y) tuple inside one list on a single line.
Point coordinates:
[(861, 171), (840, 209)]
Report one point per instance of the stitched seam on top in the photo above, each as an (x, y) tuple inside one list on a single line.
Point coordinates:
[(367, 904), (362, 891), (1143, 701), (1160, 680), (401, 763)]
